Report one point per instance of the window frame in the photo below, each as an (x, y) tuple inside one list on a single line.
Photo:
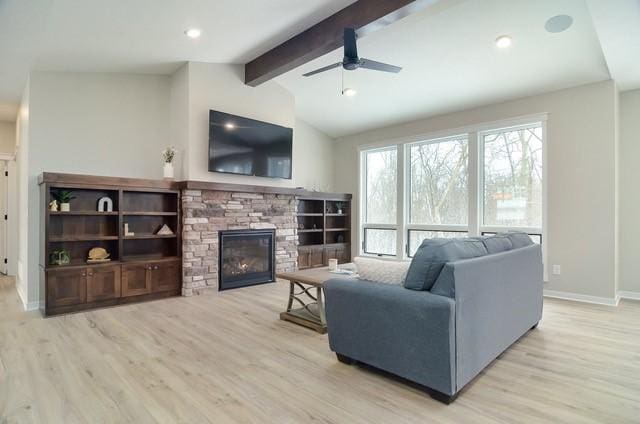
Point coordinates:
[(364, 225), (475, 181), (482, 228)]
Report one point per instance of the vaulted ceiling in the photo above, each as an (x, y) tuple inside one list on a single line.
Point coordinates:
[(447, 50)]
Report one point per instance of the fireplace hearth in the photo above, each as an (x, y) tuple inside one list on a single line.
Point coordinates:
[(246, 258)]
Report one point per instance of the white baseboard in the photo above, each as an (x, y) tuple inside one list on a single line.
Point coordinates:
[(28, 306), (622, 294), (582, 298)]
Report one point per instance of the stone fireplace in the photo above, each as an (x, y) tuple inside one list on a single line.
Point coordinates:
[(207, 212), (246, 258)]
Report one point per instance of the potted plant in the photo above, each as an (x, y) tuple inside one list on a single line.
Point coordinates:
[(340, 206), (63, 197), (168, 154)]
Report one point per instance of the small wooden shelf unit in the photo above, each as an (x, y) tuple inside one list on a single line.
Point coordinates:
[(144, 266), (324, 229)]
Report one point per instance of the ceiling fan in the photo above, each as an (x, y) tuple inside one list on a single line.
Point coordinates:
[(351, 61)]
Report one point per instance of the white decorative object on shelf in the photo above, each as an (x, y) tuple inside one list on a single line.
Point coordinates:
[(53, 206), (105, 204), (168, 154), (128, 233), (65, 207), (165, 230)]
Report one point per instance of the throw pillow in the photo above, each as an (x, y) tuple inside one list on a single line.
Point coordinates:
[(434, 253), (380, 271), (519, 239), (497, 243)]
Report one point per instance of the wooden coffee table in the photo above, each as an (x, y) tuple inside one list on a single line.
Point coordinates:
[(306, 305)]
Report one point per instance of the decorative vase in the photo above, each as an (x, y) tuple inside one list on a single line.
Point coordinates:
[(168, 170), (65, 207)]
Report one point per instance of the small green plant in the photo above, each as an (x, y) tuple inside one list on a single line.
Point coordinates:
[(63, 196)]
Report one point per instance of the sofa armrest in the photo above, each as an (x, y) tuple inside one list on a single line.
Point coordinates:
[(405, 332), (498, 299)]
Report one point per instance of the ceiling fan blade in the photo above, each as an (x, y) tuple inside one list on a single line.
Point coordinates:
[(326, 68), (379, 66), (350, 45)]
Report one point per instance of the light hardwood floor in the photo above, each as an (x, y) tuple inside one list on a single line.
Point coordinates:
[(226, 357)]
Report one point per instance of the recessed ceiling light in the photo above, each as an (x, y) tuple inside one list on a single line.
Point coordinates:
[(230, 126), (349, 92), (193, 32), (503, 41), (558, 23)]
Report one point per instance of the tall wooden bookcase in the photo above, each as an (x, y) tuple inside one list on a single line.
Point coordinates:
[(143, 266), (324, 229)]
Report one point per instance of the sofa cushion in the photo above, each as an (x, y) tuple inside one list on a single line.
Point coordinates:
[(497, 243), (519, 239), (381, 271), (434, 253)]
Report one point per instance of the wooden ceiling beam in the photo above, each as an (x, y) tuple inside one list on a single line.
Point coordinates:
[(363, 15)]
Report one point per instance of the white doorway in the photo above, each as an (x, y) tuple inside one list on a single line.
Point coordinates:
[(4, 206)]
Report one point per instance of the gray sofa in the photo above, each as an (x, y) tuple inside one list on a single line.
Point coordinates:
[(440, 335)]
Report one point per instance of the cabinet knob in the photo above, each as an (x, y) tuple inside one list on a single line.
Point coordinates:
[(155, 267), (84, 274)]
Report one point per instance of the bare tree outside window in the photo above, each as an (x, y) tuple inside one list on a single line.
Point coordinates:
[(381, 175), (381, 186), (438, 178), (513, 178)]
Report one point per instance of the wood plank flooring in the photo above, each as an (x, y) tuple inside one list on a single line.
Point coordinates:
[(227, 358)]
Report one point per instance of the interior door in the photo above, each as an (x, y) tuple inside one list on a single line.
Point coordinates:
[(4, 195)]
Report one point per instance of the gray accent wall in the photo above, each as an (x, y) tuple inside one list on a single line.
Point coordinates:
[(581, 173)]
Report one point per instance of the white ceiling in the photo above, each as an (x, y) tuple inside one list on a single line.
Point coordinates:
[(141, 36), (447, 51), (451, 63)]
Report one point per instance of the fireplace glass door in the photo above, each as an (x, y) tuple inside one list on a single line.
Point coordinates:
[(246, 258)]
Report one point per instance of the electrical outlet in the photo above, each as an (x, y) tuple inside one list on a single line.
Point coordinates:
[(557, 270)]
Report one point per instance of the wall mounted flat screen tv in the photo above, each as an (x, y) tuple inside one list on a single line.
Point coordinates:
[(239, 145)]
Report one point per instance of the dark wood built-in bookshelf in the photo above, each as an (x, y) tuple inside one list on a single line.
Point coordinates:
[(324, 229), (144, 266)]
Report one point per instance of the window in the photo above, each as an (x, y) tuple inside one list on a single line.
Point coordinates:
[(479, 182), (512, 179), (380, 201), (439, 191), (416, 237)]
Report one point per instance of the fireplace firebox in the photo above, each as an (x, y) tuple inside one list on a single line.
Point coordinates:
[(246, 258)]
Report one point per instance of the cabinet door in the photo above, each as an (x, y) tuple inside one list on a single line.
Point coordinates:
[(317, 257), (304, 258), (344, 254), (103, 283), (330, 253), (136, 279), (165, 276), (66, 287)]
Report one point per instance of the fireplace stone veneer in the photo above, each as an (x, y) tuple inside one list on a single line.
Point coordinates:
[(207, 212)]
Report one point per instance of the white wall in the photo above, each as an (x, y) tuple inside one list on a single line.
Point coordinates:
[(100, 124), (7, 137), (312, 158), (629, 193), (116, 125), (221, 87), (580, 172), (27, 288)]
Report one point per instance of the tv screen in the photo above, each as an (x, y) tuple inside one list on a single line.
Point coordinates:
[(245, 146)]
